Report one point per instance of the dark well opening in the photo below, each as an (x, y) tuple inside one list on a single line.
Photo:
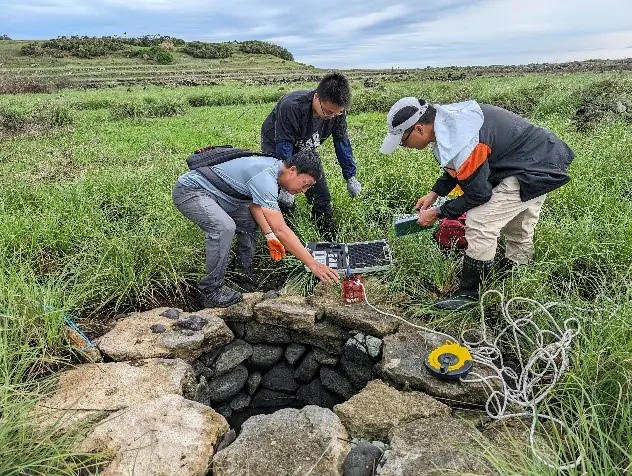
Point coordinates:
[(266, 368)]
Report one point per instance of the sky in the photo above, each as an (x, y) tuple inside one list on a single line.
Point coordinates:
[(355, 33)]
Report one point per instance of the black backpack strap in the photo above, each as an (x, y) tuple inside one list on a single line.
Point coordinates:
[(210, 156), (218, 154)]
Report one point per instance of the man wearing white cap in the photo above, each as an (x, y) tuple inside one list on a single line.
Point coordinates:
[(505, 166)]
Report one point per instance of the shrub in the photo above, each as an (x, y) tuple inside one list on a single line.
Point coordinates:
[(40, 119), (55, 115), (165, 107), (10, 84), (521, 101), (164, 57), (605, 99), (12, 120), (134, 109), (92, 104), (137, 53), (92, 46), (168, 45), (148, 107), (32, 49), (199, 49), (157, 54), (265, 48)]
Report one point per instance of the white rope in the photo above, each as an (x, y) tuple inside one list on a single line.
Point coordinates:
[(539, 374)]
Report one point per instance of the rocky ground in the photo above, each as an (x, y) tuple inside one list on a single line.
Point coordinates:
[(350, 395)]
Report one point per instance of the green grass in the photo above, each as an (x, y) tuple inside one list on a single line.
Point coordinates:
[(119, 68), (87, 226)]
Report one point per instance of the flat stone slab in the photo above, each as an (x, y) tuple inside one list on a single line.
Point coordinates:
[(132, 338), (359, 317), (290, 312), (403, 360), (436, 446), (288, 442), (91, 389), (373, 413), (325, 335), (168, 435), (243, 311), (257, 333)]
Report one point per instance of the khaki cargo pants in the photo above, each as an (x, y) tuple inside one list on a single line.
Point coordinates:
[(504, 213)]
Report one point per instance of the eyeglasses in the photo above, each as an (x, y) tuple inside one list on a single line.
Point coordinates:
[(327, 112), (410, 131)]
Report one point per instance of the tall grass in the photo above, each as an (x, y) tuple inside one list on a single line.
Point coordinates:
[(30, 350), (87, 226)]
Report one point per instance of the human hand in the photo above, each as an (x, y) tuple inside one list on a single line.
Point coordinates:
[(426, 201), (275, 247), (324, 273), (427, 217), (354, 187)]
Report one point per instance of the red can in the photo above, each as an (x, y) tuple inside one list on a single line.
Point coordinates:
[(352, 289)]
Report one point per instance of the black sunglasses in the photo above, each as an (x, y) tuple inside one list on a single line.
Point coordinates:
[(404, 139)]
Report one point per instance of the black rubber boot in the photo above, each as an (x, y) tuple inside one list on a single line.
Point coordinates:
[(474, 271), (503, 266), (221, 297)]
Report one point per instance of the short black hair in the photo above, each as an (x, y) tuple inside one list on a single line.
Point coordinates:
[(334, 88), (405, 113), (306, 162)]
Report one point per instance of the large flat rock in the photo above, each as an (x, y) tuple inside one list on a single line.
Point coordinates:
[(288, 442), (358, 317), (168, 435), (325, 335), (243, 311), (436, 446), (403, 363), (132, 338), (89, 390), (291, 312), (373, 413)]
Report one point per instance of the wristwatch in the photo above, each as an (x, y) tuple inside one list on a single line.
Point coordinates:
[(439, 212)]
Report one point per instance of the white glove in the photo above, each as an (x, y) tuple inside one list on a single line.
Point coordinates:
[(353, 187), (286, 198)]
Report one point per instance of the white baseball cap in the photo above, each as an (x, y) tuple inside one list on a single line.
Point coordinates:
[(405, 113)]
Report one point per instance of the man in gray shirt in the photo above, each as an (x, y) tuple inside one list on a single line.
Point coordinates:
[(233, 198)]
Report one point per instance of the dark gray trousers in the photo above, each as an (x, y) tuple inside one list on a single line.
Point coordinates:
[(219, 228)]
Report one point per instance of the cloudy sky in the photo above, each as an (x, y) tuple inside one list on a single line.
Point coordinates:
[(355, 33)]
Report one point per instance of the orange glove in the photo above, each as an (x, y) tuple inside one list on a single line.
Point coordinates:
[(276, 248)]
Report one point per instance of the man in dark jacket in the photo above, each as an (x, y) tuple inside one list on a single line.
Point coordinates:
[(505, 166), (304, 120)]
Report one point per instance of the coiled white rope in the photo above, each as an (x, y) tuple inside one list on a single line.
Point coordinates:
[(540, 372)]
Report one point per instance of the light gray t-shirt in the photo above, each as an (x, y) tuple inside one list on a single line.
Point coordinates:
[(253, 176)]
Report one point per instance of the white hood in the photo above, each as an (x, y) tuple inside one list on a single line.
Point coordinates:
[(456, 129)]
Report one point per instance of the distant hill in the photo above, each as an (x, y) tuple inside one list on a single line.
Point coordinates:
[(95, 62)]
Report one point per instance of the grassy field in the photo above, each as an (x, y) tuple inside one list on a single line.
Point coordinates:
[(119, 68), (87, 226)]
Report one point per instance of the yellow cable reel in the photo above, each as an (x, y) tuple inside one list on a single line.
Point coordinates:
[(449, 361)]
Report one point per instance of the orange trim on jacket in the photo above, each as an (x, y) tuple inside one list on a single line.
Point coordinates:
[(474, 161)]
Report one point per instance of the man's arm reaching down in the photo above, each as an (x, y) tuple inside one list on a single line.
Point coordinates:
[(272, 221)]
